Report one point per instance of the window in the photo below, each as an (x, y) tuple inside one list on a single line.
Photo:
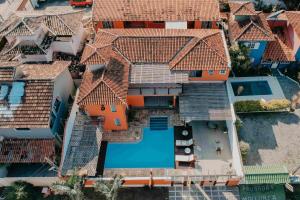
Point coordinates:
[(113, 108), (22, 129), (252, 60), (252, 45), (210, 72), (107, 24), (206, 24), (222, 72), (197, 73), (117, 122), (56, 105)]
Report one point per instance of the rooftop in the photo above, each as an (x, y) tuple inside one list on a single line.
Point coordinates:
[(156, 10), (170, 52), (25, 101), (57, 24), (84, 146), (27, 150), (250, 28), (242, 8)]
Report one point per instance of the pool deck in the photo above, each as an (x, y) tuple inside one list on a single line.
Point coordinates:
[(276, 89), (208, 160), (140, 120)]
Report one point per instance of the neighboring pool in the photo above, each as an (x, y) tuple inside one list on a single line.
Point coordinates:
[(248, 88), (156, 150)]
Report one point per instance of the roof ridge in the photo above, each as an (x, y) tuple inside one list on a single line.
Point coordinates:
[(62, 21), (214, 49), (242, 32), (248, 26), (243, 6), (26, 25)]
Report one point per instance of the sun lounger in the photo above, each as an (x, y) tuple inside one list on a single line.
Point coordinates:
[(184, 142), (185, 158)]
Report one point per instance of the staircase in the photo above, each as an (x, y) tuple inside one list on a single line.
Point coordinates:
[(158, 123)]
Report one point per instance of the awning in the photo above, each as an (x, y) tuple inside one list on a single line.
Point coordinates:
[(204, 101), (267, 174)]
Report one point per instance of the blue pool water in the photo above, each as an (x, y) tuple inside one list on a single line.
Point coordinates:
[(155, 150), (248, 88)]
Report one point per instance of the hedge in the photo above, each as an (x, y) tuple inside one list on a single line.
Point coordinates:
[(261, 105)]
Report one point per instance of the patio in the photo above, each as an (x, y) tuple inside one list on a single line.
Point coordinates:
[(207, 143)]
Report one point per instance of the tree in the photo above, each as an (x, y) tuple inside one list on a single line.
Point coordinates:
[(109, 188), (20, 191), (72, 187), (240, 59)]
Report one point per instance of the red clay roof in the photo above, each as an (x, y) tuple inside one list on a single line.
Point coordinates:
[(294, 19), (156, 10), (26, 150), (242, 8), (182, 50), (278, 51), (254, 28)]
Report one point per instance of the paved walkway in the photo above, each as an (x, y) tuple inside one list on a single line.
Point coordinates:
[(289, 87), (214, 193)]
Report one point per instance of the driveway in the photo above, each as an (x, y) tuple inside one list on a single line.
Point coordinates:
[(273, 138)]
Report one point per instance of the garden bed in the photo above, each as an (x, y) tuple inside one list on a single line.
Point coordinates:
[(261, 106)]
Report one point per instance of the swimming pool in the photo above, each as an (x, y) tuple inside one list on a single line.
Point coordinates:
[(248, 88), (155, 150)]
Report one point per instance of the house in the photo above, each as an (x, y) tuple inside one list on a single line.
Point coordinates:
[(178, 14), (286, 27), (250, 28), (32, 108), (36, 37), (32, 99), (141, 90)]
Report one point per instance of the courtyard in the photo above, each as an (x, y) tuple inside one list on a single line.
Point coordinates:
[(274, 139)]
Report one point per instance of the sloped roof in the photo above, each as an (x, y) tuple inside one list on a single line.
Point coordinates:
[(27, 150), (181, 50), (84, 146), (294, 19), (156, 10), (267, 174), (57, 24), (254, 28), (7, 73), (33, 109), (242, 8), (278, 50)]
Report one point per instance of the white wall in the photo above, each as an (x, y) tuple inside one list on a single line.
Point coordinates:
[(36, 181), (176, 25), (233, 139), (63, 86), (33, 133)]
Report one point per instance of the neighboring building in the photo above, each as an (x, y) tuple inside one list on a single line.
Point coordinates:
[(34, 38), (169, 14), (250, 28), (286, 26), (33, 102), (34, 99), (140, 90)]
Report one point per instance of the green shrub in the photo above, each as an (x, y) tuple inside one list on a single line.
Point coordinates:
[(261, 105), (245, 148)]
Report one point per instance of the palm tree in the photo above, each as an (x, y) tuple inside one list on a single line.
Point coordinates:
[(20, 191), (110, 188), (72, 188)]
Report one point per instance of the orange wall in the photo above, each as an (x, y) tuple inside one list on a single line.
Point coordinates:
[(216, 76), (118, 24), (136, 101), (109, 117)]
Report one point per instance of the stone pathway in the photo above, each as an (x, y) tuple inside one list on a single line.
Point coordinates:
[(289, 87)]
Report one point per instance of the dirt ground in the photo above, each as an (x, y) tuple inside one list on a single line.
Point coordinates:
[(274, 138)]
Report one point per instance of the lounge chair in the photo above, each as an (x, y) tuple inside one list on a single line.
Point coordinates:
[(184, 142), (185, 158)]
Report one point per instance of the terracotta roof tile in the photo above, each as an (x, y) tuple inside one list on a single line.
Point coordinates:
[(294, 19), (7, 73), (278, 51), (242, 8), (27, 150), (181, 50), (156, 10), (34, 109), (255, 28)]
